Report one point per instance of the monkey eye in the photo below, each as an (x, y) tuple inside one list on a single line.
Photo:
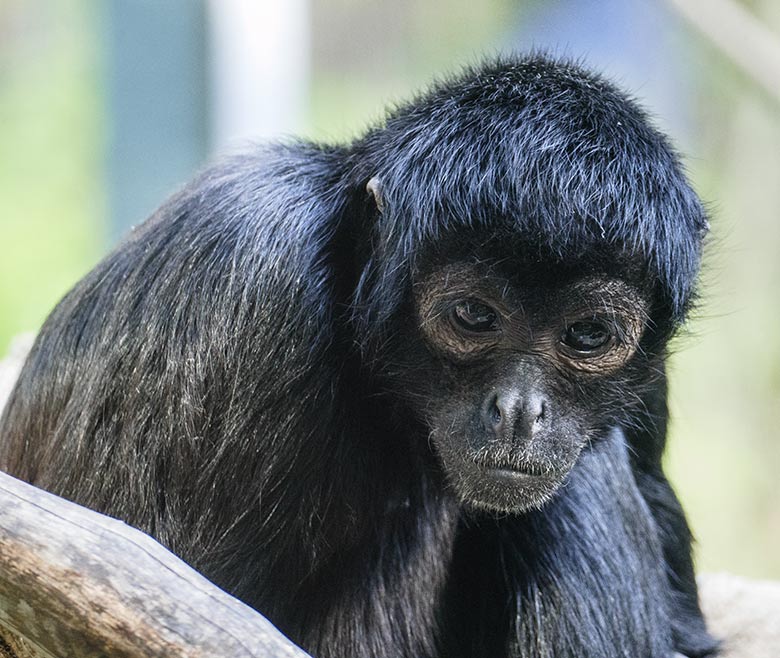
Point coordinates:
[(474, 316), (586, 336)]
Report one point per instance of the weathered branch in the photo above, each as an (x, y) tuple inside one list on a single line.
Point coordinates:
[(76, 583)]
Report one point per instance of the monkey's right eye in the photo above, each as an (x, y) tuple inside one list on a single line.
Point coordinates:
[(474, 316)]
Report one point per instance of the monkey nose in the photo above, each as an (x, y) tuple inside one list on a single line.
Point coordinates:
[(509, 415)]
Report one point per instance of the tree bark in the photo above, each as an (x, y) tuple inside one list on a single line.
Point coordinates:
[(76, 583)]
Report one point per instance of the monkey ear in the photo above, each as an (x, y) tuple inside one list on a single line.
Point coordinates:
[(374, 188)]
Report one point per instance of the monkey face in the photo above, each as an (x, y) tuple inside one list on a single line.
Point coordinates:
[(521, 373)]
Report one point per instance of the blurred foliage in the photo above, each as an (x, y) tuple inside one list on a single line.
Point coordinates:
[(396, 48), (724, 455), (50, 173), (724, 452)]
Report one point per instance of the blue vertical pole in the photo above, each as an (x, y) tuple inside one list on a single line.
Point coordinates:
[(157, 103)]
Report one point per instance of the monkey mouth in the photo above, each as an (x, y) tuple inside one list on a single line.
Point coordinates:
[(507, 485), (526, 478), (501, 481), (512, 474), (515, 469)]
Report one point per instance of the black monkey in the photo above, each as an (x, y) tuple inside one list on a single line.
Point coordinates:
[(406, 396)]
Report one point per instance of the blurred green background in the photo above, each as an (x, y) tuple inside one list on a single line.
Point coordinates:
[(58, 215)]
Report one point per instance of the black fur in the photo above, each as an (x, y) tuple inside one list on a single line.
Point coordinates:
[(214, 381)]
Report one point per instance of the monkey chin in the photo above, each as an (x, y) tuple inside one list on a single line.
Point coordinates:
[(505, 491)]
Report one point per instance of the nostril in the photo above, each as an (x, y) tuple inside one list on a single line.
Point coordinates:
[(491, 413), (495, 413)]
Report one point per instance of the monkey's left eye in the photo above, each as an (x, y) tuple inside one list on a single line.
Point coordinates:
[(474, 316), (586, 336)]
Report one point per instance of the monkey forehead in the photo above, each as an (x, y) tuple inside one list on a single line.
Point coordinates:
[(544, 150), (528, 287)]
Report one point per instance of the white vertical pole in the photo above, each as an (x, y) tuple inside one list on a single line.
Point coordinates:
[(259, 69)]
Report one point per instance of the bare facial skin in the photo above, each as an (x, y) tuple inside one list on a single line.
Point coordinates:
[(522, 375)]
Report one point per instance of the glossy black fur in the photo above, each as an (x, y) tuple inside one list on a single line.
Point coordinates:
[(215, 381)]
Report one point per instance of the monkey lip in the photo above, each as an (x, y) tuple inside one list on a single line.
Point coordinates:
[(512, 474)]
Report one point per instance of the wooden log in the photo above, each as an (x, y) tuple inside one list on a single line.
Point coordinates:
[(743, 613), (76, 583)]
